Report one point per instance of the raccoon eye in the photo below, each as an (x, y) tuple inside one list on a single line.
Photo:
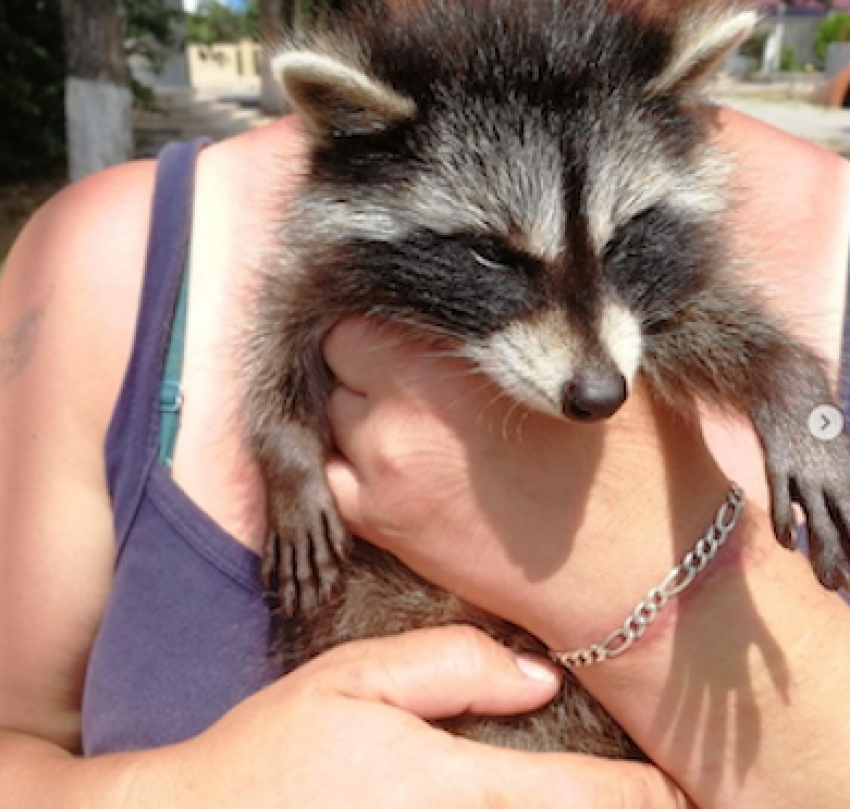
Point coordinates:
[(489, 263), (494, 255)]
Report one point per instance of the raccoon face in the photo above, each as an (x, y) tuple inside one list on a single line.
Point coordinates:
[(547, 216)]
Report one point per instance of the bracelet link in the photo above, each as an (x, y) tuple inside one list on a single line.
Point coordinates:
[(676, 581)]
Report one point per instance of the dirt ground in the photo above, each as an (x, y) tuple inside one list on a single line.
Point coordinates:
[(18, 202)]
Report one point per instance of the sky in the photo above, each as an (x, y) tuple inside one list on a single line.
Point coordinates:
[(191, 5)]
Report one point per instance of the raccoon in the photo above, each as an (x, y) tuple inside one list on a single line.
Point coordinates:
[(535, 182)]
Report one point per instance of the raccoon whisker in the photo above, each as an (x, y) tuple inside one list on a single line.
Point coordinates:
[(471, 372), (466, 394), (484, 412), (506, 419), (524, 413), (514, 409), (412, 332), (494, 400), (454, 373), (521, 426), (519, 381), (416, 325), (443, 354), (398, 341), (524, 379), (508, 414)]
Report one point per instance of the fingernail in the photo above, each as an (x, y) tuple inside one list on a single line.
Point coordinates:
[(537, 669)]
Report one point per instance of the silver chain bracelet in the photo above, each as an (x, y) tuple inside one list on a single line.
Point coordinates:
[(678, 580)]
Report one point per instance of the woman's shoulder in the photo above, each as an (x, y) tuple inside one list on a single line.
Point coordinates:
[(786, 180), (792, 220), (72, 282)]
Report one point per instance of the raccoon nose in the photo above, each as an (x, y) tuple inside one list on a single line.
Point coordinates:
[(593, 397)]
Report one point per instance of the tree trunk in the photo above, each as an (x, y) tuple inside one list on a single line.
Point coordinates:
[(98, 99), (278, 20)]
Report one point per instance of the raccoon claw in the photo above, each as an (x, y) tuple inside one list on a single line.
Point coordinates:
[(827, 515), (314, 580), (784, 521), (306, 566), (834, 575), (829, 559), (334, 531), (831, 555)]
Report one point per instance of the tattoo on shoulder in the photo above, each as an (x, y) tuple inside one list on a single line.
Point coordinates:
[(18, 346)]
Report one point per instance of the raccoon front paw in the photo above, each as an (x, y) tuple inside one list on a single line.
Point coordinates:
[(818, 480), (307, 546)]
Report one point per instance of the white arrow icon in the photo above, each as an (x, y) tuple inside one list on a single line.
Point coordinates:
[(826, 423)]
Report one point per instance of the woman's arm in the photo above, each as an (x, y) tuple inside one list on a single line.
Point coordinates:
[(67, 311), (742, 693)]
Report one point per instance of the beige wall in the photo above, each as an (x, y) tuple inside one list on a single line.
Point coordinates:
[(223, 65)]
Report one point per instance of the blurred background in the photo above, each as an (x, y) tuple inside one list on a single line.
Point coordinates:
[(85, 84)]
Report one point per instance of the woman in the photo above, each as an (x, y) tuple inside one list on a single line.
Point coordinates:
[(148, 650)]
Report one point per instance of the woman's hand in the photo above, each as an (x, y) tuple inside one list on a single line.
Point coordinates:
[(484, 497), (347, 730), (563, 528)]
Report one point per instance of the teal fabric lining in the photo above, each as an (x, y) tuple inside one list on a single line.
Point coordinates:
[(171, 393)]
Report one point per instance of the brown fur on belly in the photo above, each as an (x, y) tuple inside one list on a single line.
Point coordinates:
[(382, 597)]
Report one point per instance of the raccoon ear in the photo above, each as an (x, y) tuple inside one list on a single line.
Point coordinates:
[(334, 99), (705, 36)]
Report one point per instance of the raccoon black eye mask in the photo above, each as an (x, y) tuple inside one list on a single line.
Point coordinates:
[(535, 183)]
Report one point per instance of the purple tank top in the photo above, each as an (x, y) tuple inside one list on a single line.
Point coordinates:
[(185, 633)]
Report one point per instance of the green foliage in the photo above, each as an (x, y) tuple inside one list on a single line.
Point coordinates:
[(789, 61), (215, 22), (32, 90), (32, 77), (152, 30), (252, 15), (835, 28), (754, 47)]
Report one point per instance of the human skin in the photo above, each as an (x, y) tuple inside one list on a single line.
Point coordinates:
[(76, 275)]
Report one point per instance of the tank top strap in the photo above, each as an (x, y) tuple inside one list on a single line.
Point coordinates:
[(132, 441), (844, 379)]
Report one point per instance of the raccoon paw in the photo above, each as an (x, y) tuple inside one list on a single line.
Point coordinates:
[(819, 482), (308, 544)]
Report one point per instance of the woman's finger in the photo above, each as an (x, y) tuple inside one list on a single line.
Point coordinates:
[(347, 412), (362, 354), (347, 489), (438, 673)]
